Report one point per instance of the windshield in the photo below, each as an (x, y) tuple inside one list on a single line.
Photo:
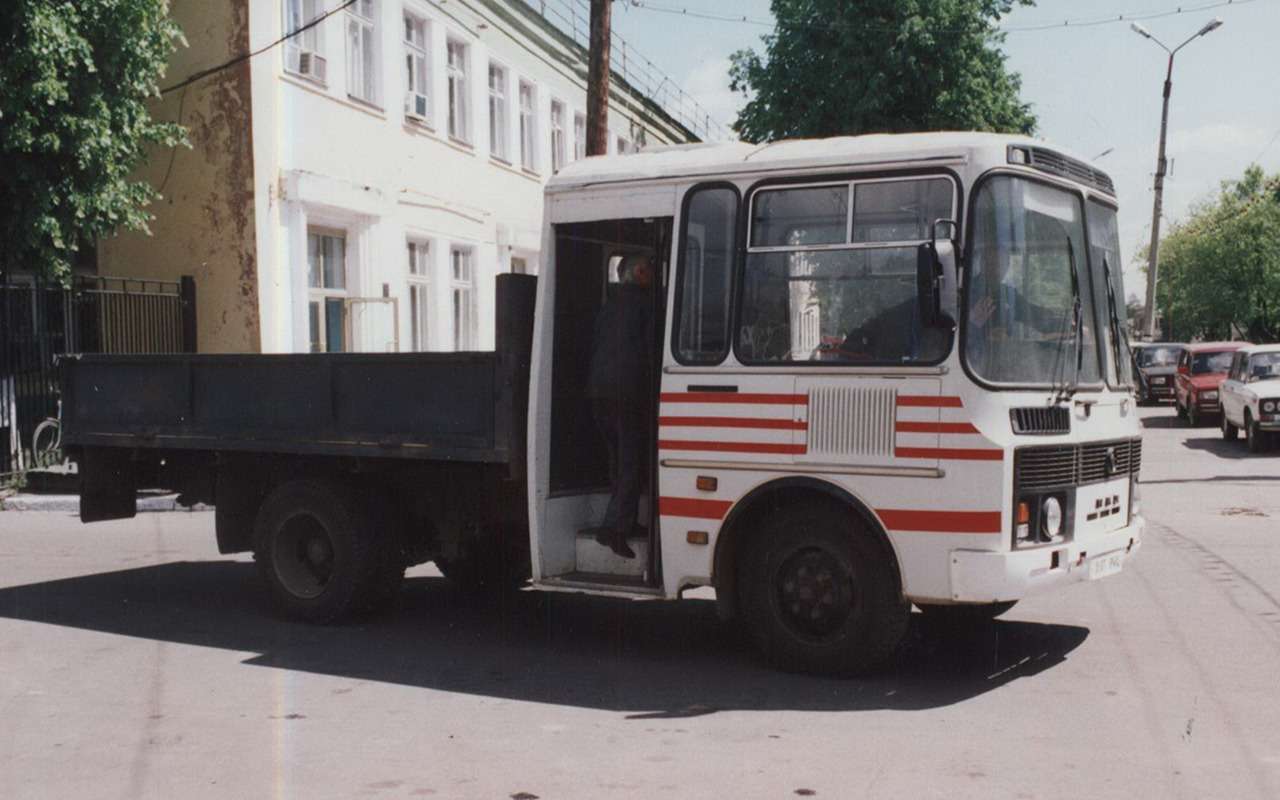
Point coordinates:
[(1264, 366), (1158, 356), (1019, 321), (1211, 362)]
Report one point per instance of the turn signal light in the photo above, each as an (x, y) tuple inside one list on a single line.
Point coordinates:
[(1024, 513), (706, 483), (697, 537)]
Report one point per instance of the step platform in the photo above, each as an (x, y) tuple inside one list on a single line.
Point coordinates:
[(593, 557)]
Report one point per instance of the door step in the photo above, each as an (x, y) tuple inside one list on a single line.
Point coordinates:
[(593, 557)]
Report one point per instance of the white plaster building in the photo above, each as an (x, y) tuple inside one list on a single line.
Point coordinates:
[(394, 166)]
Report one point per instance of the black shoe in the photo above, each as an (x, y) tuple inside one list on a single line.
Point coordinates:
[(619, 546)]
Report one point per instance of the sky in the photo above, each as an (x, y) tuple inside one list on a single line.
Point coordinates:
[(1093, 89)]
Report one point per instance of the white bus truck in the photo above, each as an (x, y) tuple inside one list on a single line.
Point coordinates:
[(887, 370)]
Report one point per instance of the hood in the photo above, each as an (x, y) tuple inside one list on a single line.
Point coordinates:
[(1207, 380), (1264, 390)]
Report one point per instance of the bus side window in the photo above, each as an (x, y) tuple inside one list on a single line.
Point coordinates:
[(709, 236)]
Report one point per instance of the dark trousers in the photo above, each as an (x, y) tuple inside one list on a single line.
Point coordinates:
[(623, 422)]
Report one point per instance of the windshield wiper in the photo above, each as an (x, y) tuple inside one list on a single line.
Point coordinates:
[(1118, 336), (1068, 389)]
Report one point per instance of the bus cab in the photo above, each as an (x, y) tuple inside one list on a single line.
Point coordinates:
[(887, 370)]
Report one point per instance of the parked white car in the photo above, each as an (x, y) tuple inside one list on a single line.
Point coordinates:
[(1251, 396)]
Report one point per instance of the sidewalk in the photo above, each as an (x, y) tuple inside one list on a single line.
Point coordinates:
[(70, 503)]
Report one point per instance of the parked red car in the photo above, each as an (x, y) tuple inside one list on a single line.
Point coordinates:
[(1201, 369)]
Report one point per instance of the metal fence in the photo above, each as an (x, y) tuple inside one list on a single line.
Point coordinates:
[(573, 18), (94, 315)]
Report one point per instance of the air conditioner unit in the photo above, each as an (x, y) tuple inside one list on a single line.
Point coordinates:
[(312, 65), (415, 105)]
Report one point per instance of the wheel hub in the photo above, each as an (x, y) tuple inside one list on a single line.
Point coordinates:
[(815, 593)]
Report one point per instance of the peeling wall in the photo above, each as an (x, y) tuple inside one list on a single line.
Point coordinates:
[(204, 222)]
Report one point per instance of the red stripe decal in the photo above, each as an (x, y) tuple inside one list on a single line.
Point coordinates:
[(950, 453), (735, 398), (928, 401), (903, 426), (691, 507), (734, 422), (940, 521), (732, 447)]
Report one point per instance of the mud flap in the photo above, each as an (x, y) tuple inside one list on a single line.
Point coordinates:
[(108, 484)]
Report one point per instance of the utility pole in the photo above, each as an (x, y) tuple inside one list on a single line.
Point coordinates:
[(598, 79), (1153, 252)]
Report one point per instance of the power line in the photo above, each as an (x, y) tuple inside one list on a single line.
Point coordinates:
[(1066, 23), (204, 73)]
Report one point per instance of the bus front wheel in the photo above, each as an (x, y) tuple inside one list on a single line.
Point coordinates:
[(819, 594)]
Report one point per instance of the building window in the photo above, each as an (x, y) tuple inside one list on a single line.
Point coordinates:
[(557, 135), (417, 99), (579, 136), (362, 52), (528, 129), (302, 53), (327, 290), (498, 113), (419, 294), (624, 146), (459, 122), (519, 266), (462, 286)]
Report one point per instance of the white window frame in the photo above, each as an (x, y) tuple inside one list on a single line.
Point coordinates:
[(319, 295), (418, 78), (499, 112), (298, 13), (528, 126), (579, 135), (464, 307), (361, 27), (418, 268), (458, 68), (558, 154)]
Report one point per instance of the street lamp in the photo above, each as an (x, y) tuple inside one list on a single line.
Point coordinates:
[(1153, 255)]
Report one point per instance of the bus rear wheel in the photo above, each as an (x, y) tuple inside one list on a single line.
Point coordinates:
[(819, 594)]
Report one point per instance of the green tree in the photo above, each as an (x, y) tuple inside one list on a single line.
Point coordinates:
[(1220, 268), (836, 67), (75, 79)]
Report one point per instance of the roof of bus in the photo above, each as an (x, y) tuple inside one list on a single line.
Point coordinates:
[(1254, 349), (675, 161), (1206, 347)]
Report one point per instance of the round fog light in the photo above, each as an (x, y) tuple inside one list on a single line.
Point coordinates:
[(1051, 517)]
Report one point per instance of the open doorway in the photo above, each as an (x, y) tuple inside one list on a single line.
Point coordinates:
[(594, 265)]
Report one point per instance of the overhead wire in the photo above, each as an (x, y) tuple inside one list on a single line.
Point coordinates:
[(1066, 23)]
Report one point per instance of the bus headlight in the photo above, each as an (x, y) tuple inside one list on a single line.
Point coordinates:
[(1269, 406), (1051, 517)]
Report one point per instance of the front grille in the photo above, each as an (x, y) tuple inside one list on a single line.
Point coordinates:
[(1056, 163), (1039, 421), (1075, 465)]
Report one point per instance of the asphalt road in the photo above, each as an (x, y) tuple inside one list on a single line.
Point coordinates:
[(135, 662)]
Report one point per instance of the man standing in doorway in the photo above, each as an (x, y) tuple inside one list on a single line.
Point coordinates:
[(619, 387)]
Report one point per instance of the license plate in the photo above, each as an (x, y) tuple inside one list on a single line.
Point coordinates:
[(1102, 566)]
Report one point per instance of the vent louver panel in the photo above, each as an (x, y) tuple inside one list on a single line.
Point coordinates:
[(1058, 164), (851, 421), (1040, 421)]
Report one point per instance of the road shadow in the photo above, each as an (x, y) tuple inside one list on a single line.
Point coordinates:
[(1167, 421), (1223, 449), (645, 659)]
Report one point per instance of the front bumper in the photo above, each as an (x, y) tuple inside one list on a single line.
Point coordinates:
[(1161, 392), (1210, 407), (982, 576)]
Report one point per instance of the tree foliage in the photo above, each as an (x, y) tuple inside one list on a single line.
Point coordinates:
[(74, 84), (1220, 268), (836, 67)]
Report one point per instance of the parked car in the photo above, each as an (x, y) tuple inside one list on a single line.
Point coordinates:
[(1201, 368), (1251, 396), (1155, 364)]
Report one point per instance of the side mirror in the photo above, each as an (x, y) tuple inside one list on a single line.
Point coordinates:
[(936, 277)]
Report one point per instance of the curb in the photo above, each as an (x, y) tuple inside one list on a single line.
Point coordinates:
[(69, 503)]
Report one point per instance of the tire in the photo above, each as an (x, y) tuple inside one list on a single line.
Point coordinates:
[(322, 555), (965, 615), (1229, 431), (1253, 436), (493, 561), (819, 593)]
